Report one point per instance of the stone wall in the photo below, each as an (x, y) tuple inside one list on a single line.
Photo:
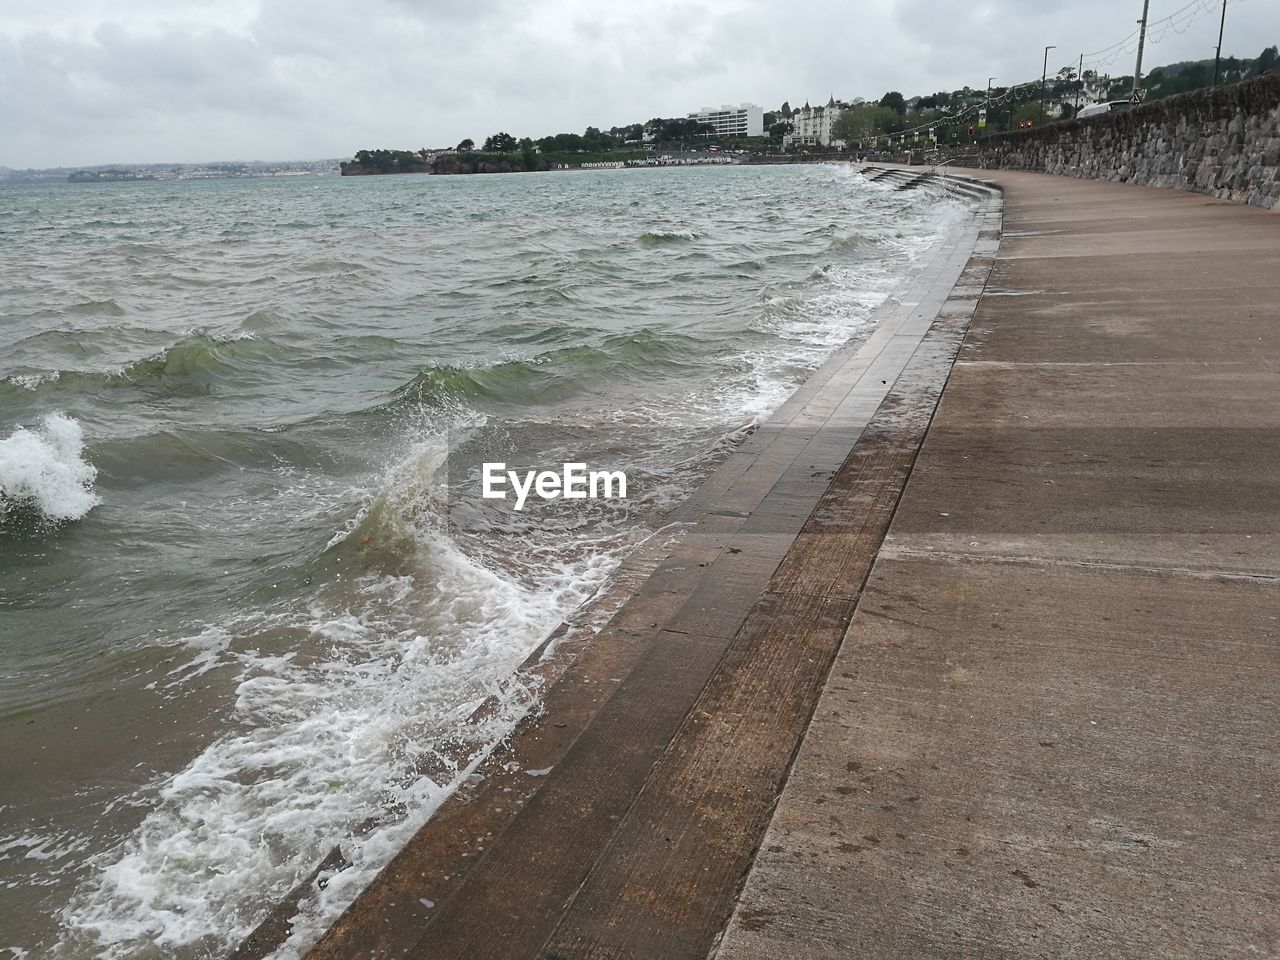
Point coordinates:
[(1224, 142)]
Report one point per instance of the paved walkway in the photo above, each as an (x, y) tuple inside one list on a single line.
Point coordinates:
[(1053, 726)]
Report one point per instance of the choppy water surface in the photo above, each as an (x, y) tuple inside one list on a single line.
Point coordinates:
[(234, 620)]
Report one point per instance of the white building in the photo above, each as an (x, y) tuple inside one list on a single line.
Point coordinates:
[(744, 120), (811, 126)]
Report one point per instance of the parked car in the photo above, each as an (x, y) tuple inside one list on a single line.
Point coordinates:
[(1093, 109)]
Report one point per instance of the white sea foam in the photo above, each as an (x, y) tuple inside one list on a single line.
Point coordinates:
[(43, 468), (37, 846), (341, 724), (209, 645), (815, 321), (336, 732), (57, 853), (32, 381)]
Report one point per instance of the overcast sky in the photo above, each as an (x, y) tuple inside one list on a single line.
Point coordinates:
[(97, 81)]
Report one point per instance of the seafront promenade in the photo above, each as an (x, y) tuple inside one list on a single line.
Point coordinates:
[(971, 650), (1051, 729)]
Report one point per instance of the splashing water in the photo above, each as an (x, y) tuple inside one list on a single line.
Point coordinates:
[(271, 638), (43, 470)]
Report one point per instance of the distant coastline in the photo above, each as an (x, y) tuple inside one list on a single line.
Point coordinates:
[(813, 132), (374, 163), (107, 176), (153, 172)]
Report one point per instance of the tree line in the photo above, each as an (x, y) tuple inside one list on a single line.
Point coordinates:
[(892, 114), (502, 152), (595, 140)]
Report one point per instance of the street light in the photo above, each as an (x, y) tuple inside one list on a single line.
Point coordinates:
[(1080, 80), (1142, 39), (1217, 54), (1044, 73)]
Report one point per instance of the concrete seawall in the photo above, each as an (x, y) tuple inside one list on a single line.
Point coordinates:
[(667, 735), (1224, 142), (972, 650)]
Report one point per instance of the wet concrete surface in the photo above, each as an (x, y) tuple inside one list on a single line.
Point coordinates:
[(1051, 727)]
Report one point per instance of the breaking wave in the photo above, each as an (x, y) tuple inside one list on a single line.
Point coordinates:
[(654, 238), (561, 372), (194, 361), (351, 720), (42, 471)]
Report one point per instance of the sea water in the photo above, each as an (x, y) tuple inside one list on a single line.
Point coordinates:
[(239, 611)]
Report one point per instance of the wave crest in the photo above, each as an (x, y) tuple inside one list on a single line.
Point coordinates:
[(558, 373), (191, 364), (199, 355), (42, 471), (654, 238)]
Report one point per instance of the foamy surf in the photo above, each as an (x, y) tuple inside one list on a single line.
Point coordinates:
[(287, 605), (43, 470), (343, 738)]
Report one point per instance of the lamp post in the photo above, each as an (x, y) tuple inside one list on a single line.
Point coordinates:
[(1142, 39), (1217, 54), (1044, 75), (1079, 81)]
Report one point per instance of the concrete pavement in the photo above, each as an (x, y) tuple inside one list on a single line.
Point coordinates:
[(1051, 728)]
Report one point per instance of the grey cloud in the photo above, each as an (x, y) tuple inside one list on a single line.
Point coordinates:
[(92, 81)]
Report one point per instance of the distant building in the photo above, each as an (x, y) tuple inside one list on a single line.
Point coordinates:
[(744, 120), (811, 126)]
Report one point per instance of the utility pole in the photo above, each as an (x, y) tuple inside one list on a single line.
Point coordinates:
[(1080, 80), (1044, 74), (1142, 38), (1217, 55)]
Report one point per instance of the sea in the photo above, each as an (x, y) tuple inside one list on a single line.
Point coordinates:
[(248, 588)]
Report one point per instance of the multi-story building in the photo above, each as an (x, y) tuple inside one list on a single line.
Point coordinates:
[(811, 126), (744, 120)]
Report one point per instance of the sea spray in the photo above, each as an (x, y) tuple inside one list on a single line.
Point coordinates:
[(43, 470), (384, 665)]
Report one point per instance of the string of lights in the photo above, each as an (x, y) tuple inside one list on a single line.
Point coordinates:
[(1178, 22)]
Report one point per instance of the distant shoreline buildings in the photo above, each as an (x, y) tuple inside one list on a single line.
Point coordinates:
[(812, 126), (744, 120)]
